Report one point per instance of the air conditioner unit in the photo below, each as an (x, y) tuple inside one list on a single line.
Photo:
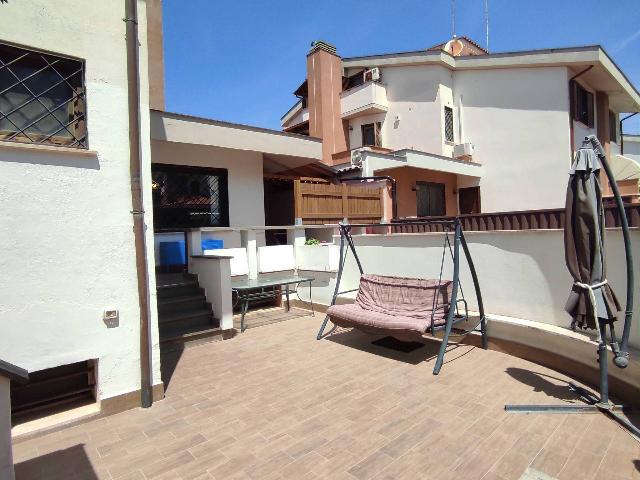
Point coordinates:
[(356, 157), (372, 74), (463, 151)]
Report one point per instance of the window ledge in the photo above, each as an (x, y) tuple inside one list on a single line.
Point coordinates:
[(448, 142), (82, 152)]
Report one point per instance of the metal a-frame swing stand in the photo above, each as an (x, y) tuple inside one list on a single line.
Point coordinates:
[(447, 225)]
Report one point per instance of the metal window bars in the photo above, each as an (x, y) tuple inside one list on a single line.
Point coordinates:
[(42, 98), (448, 124), (189, 197)]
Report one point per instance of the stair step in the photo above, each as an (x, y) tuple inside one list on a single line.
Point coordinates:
[(191, 336), (183, 315), (179, 291), (180, 299), (181, 303)]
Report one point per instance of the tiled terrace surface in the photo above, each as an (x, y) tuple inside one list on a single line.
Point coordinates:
[(275, 403)]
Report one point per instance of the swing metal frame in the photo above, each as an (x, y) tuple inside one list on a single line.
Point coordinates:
[(453, 315)]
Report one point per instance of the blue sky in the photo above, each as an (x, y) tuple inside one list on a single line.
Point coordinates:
[(241, 60)]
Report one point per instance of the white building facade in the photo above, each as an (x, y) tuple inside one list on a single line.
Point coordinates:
[(515, 117)]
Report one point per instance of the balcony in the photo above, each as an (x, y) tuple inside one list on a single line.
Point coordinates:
[(295, 116), (368, 98)]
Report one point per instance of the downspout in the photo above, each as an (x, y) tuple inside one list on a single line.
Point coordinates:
[(137, 204), (621, 134), (394, 202), (571, 107)]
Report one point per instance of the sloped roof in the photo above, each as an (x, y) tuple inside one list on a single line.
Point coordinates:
[(464, 38)]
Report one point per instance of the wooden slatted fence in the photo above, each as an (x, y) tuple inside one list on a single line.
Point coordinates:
[(318, 202)]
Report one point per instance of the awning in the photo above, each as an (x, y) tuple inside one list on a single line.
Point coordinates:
[(624, 168)]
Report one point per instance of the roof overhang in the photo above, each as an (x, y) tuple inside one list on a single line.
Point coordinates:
[(604, 76), (373, 162), (281, 150)]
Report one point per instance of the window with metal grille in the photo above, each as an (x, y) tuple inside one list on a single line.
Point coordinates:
[(448, 124), (42, 98), (186, 197)]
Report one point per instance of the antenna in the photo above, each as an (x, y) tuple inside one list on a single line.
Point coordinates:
[(453, 18), (486, 22)]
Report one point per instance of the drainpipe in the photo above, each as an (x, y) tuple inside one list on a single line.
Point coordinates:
[(137, 210), (621, 135), (571, 107), (394, 202)]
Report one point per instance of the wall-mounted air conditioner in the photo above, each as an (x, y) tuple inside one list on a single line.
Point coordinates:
[(463, 151), (372, 74)]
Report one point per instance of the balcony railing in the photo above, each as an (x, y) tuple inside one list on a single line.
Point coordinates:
[(296, 115), (370, 97)]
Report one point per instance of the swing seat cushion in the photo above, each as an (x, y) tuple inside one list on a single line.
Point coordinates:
[(395, 305)]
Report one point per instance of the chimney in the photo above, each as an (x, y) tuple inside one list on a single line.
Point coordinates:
[(324, 84), (155, 54)]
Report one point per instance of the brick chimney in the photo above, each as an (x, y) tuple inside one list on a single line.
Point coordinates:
[(324, 82), (155, 54)]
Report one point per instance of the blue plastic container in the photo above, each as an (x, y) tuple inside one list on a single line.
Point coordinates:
[(212, 244), (172, 253)]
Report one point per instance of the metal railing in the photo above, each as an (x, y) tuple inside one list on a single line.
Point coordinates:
[(547, 219)]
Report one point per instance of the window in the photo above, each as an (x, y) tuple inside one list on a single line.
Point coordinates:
[(372, 134), (42, 98), (582, 105), (613, 127), (431, 199), (186, 197), (448, 124), (469, 200)]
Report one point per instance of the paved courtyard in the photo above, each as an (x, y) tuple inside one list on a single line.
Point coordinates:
[(274, 403)]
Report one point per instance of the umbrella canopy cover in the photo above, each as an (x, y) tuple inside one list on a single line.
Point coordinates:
[(584, 237)]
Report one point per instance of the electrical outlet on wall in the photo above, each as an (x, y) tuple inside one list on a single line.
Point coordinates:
[(111, 317)]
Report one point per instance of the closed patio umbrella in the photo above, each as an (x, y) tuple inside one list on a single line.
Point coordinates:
[(591, 297), (592, 303)]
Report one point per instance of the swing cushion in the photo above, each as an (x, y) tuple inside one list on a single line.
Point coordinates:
[(397, 306)]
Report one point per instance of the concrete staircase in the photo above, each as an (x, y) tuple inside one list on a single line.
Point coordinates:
[(183, 311)]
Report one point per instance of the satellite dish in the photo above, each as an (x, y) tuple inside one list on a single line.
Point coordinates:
[(454, 47)]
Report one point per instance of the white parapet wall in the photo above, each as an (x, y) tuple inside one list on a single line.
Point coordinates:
[(214, 275), (522, 276)]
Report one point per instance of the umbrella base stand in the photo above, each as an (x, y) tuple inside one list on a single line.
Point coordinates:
[(609, 409), (590, 403)]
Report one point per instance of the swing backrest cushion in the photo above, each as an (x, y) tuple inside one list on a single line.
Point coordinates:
[(406, 297), (395, 305)]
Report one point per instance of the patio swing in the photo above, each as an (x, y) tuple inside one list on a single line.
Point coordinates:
[(408, 308)]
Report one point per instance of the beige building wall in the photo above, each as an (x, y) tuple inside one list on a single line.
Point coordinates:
[(324, 83), (518, 121), (406, 178), (156, 54)]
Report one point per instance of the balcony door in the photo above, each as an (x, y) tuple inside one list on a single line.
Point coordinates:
[(430, 199)]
